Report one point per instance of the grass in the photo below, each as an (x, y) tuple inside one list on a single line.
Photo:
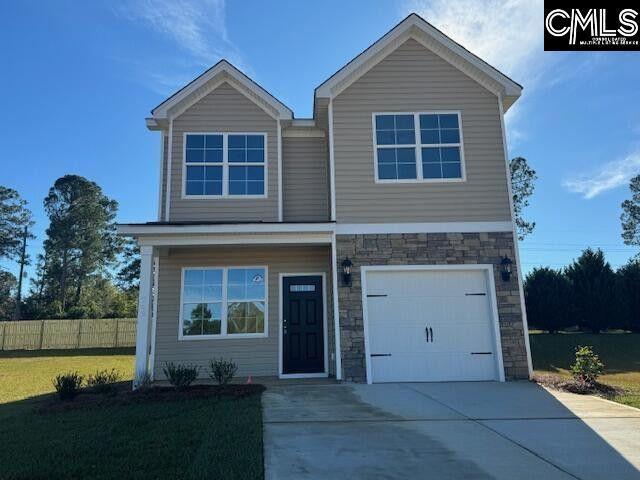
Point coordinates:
[(26, 373), (164, 439), (620, 353)]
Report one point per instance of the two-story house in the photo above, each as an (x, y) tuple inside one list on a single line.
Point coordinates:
[(370, 243)]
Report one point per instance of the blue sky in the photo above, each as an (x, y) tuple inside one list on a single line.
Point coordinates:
[(79, 78)]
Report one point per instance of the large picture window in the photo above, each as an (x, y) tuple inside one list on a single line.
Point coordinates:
[(226, 301), (225, 165), (418, 147)]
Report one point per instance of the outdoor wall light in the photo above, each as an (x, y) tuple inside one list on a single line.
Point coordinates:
[(505, 268), (346, 271)]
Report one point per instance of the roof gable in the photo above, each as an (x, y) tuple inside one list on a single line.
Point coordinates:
[(415, 27), (221, 72)]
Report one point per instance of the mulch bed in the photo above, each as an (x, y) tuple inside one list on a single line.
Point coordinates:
[(570, 385), (123, 395)]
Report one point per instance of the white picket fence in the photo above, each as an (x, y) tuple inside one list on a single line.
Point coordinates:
[(68, 334)]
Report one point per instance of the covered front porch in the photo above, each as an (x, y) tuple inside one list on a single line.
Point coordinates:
[(262, 298)]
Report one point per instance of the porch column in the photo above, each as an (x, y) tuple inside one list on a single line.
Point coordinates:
[(336, 308), (144, 313)]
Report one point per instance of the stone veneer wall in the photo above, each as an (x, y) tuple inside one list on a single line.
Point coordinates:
[(429, 249)]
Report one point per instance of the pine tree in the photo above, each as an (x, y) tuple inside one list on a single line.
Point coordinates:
[(630, 217), (81, 238), (523, 179), (592, 286)]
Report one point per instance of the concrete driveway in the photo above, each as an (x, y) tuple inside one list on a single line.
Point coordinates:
[(446, 431)]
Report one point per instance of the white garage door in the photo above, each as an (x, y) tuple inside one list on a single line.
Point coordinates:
[(430, 326)]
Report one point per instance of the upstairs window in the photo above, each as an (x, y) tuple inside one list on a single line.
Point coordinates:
[(204, 164), (225, 165), (418, 147), (246, 164), (396, 139), (440, 144)]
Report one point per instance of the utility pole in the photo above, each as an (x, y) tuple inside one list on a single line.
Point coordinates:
[(23, 260)]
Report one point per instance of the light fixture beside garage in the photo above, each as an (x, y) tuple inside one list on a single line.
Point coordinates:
[(346, 271), (505, 268)]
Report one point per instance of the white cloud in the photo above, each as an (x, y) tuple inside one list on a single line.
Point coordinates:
[(196, 27), (609, 176), (507, 34)]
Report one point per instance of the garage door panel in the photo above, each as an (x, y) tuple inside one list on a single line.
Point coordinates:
[(415, 282), (395, 340), (409, 368), (460, 309), (464, 338), (453, 307)]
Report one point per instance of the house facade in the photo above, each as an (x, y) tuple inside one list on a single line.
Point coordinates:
[(373, 242)]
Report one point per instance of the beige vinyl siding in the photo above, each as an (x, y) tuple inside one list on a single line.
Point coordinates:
[(224, 110), (254, 356), (413, 79), (305, 191)]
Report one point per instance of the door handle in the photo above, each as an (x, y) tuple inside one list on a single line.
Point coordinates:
[(428, 332)]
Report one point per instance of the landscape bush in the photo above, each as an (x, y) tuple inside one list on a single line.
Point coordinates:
[(587, 367), (222, 370), (103, 381), (68, 385), (180, 376)]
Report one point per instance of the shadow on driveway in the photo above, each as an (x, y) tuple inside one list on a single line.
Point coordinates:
[(447, 430)]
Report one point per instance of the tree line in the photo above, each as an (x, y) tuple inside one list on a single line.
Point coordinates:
[(84, 271), (587, 294)]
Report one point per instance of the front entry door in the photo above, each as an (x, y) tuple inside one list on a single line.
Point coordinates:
[(302, 325)]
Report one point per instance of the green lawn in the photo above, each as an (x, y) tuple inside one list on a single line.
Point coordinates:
[(27, 373), (620, 353), (186, 439)]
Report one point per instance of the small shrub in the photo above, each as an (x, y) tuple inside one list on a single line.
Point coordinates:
[(68, 385), (587, 367), (222, 370), (103, 381), (180, 376)]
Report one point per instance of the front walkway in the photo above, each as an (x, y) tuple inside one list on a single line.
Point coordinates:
[(446, 431)]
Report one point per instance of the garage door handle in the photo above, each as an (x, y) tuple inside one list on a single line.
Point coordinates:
[(431, 332), (380, 354), (375, 296), (481, 353), (428, 331)]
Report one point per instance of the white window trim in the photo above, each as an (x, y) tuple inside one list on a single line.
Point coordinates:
[(225, 167), (223, 322), (417, 146)]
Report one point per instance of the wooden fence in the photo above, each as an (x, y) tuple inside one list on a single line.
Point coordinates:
[(68, 334)]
